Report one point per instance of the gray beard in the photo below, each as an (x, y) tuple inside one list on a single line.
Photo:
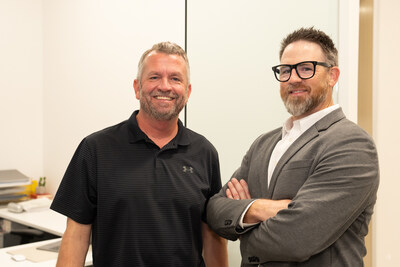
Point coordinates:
[(300, 107), (146, 106)]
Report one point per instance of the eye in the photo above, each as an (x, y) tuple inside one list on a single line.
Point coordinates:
[(306, 67), (284, 70), (176, 79)]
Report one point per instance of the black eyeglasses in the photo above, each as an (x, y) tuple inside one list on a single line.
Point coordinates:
[(305, 70)]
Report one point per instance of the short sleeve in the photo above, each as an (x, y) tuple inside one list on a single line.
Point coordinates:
[(215, 175), (215, 179), (76, 195)]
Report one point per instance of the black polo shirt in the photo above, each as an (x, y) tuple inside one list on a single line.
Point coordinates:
[(145, 204)]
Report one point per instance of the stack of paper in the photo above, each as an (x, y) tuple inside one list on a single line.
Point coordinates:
[(12, 185)]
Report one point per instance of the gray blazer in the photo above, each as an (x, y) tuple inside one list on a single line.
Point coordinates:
[(331, 175)]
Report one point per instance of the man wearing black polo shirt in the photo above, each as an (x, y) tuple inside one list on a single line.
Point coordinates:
[(140, 187)]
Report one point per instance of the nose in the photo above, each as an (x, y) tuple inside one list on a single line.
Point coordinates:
[(294, 78), (165, 84)]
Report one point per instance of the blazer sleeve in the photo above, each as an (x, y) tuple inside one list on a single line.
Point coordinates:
[(223, 214)]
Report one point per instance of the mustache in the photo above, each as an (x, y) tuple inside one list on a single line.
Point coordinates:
[(293, 87)]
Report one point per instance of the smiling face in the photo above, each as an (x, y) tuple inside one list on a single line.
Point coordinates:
[(304, 97), (163, 89)]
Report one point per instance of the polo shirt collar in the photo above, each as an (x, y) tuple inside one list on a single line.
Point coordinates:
[(136, 134)]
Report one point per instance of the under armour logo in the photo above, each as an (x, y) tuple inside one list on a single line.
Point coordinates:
[(187, 169)]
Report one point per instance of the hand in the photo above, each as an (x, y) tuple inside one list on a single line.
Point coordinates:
[(263, 209), (238, 190)]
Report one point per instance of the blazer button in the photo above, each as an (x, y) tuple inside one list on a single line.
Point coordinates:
[(254, 259), (228, 222)]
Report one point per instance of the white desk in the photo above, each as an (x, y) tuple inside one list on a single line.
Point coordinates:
[(6, 260), (46, 220)]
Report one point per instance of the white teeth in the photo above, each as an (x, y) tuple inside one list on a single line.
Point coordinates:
[(163, 97)]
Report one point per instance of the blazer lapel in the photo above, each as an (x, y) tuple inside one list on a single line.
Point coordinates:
[(296, 146)]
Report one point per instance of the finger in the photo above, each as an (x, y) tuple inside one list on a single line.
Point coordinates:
[(245, 188), (235, 194), (229, 194), (239, 188)]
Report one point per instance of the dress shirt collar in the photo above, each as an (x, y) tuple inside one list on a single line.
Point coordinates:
[(305, 123)]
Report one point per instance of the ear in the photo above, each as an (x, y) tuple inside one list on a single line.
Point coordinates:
[(334, 73), (189, 91), (136, 86)]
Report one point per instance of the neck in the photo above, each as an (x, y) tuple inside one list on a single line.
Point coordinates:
[(160, 132)]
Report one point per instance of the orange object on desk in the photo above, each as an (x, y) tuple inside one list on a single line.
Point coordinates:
[(49, 196)]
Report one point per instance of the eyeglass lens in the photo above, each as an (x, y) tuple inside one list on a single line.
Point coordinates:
[(304, 70)]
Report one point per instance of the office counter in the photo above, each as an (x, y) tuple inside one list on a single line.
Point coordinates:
[(45, 220), (6, 260)]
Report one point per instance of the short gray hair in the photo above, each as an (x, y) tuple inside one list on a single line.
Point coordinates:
[(166, 48)]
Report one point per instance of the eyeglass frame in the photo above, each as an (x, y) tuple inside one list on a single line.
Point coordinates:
[(315, 63)]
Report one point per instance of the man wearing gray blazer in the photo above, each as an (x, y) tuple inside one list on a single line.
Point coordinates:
[(304, 193)]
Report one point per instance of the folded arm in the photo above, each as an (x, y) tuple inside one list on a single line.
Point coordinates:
[(261, 209)]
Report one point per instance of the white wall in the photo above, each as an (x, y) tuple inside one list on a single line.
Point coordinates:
[(347, 94), (235, 96), (386, 127), (92, 48), (21, 86)]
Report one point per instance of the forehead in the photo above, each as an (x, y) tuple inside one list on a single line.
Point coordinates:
[(302, 51), (159, 62)]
